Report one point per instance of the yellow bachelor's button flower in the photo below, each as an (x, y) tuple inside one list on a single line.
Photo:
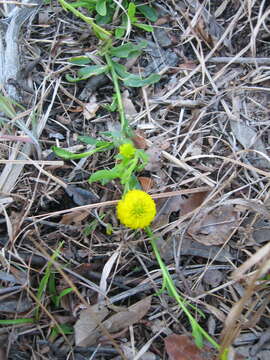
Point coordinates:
[(127, 150), (136, 210)]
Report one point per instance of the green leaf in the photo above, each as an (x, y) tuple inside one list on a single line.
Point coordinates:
[(67, 155), (144, 27), (88, 71), (119, 32), (88, 140), (136, 81), (62, 293), (80, 60), (149, 12), (104, 176), (101, 7), (120, 70), (131, 11), (17, 321), (127, 50)]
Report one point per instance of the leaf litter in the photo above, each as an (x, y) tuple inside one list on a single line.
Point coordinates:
[(213, 59)]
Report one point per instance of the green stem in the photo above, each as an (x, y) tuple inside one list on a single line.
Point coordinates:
[(101, 33), (123, 120), (197, 331)]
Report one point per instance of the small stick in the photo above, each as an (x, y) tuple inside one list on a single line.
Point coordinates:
[(239, 60), (114, 202)]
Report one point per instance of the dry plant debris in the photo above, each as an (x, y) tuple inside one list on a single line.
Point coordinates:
[(74, 284)]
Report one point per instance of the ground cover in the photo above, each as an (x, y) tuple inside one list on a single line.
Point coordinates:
[(104, 102)]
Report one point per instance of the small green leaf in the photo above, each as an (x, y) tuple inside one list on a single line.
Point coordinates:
[(119, 32), (148, 11), (62, 293), (131, 11), (80, 60), (104, 176), (101, 7), (136, 81), (127, 50), (88, 71), (120, 70), (87, 140), (144, 27)]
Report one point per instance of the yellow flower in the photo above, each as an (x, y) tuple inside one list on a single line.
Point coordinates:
[(136, 210), (127, 150)]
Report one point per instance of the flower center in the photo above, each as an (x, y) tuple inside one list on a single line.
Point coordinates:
[(138, 210)]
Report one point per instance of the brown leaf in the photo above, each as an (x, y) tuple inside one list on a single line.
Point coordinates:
[(139, 140), (192, 202), (146, 183), (132, 315), (214, 226), (86, 328), (181, 347), (74, 218), (88, 331), (165, 208)]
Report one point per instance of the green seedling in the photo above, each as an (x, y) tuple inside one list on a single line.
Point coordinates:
[(45, 281), (197, 331), (60, 330)]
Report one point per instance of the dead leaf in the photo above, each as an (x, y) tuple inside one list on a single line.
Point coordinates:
[(74, 218), (154, 162), (146, 183), (139, 140), (249, 139), (181, 347), (91, 108), (165, 208), (87, 329), (130, 110), (15, 306), (132, 315), (214, 226), (81, 196), (213, 277), (193, 202)]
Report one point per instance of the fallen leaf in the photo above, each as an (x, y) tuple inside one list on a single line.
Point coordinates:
[(154, 161), (88, 329), (214, 226), (16, 306), (74, 218), (165, 208), (132, 315), (91, 108), (139, 140), (213, 277), (249, 139), (130, 110), (81, 196), (193, 202), (146, 183), (181, 347), (190, 247)]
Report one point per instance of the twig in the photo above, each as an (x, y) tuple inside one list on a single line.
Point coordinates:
[(239, 60)]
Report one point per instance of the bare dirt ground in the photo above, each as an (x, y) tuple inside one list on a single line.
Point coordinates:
[(75, 284)]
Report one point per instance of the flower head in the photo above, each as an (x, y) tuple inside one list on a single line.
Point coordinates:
[(136, 210), (127, 150)]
